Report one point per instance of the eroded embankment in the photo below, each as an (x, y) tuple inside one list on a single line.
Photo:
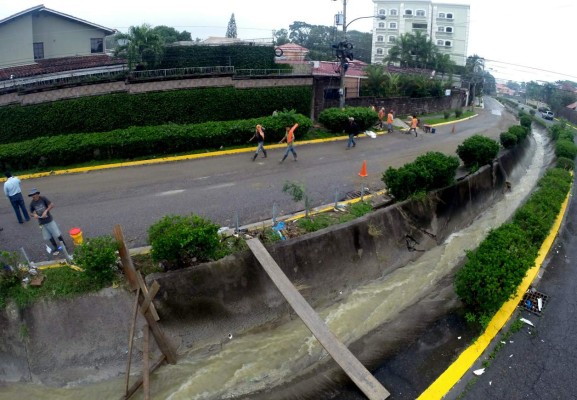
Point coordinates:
[(85, 339)]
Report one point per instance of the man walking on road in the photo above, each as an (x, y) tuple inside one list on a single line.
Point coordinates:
[(390, 118), (40, 208), (381, 117), (353, 130), (13, 193), (259, 136), (289, 137), (414, 124)]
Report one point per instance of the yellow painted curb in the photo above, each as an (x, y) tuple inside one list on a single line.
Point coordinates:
[(451, 376)]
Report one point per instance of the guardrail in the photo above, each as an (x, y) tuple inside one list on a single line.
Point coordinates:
[(177, 72), (264, 72)]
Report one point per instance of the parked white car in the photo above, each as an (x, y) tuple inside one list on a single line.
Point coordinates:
[(547, 115)]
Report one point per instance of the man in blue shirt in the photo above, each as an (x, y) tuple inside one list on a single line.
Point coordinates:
[(13, 193)]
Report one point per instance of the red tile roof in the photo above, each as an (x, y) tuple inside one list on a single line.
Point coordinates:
[(53, 65), (356, 68)]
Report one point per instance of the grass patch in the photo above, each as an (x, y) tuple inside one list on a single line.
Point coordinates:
[(59, 283), (436, 119)]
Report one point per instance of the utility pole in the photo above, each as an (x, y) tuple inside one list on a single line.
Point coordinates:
[(343, 59)]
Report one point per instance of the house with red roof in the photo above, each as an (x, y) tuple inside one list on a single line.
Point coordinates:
[(38, 41)]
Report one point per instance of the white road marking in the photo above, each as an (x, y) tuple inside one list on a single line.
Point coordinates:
[(170, 192)]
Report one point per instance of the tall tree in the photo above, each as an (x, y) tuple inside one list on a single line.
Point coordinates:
[(141, 46), (280, 37), (171, 35), (231, 28)]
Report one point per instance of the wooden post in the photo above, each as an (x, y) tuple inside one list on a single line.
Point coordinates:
[(146, 362), (131, 340)]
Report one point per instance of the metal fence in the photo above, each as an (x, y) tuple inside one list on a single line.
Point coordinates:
[(180, 72)]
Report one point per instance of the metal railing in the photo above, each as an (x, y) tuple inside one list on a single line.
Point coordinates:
[(178, 72), (265, 72)]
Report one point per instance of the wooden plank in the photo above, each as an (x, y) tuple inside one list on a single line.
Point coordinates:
[(138, 383), (131, 341), (146, 362), (148, 298), (144, 294), (364, 380), (127, 266)]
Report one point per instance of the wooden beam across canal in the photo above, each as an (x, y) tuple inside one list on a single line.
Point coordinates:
[(364, 380)]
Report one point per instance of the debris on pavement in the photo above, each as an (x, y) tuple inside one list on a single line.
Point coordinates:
[(479, 372), (526, 321)]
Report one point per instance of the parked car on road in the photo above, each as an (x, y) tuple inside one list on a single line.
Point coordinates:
[(547, 115)]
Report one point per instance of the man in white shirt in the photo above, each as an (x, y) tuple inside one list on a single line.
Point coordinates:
[(13, 193)]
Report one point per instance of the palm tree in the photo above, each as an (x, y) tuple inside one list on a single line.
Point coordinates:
[(142, 46), (376, 80)]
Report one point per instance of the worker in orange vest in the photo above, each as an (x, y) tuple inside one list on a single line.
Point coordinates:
[(289, 137), (390, 118)]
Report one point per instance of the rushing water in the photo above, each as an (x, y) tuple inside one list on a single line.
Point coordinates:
[(264, 359)]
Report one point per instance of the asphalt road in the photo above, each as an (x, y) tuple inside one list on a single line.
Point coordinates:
[(221, 187)]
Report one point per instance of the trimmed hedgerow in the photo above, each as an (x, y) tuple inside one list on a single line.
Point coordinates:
[(477, 151), (565, 148), (123, 110), (137, 142), (565, 163), (493, 272)]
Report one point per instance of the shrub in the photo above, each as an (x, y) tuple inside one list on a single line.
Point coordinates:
[(519, 131), (97, 257), (565, 148), (525, 121), (178, 241), (432, 170), (565, 163), (446, 114), (335, 119), (477, 151), (532, 112), (458, 112), (508, 139), (493, 271)]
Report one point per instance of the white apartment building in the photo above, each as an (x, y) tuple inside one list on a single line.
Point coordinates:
[(445, 24)]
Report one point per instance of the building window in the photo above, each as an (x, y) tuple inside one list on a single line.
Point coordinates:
[(392, 25), (382, 11), (440, 42), (38, 50), (442, 15), (449, 16), (448, 43), (420, 13), (96, 45), (408, 12), (392, 39), (380, 52), (380, 38), (381, 25), (449, 29), (420, 26), (393, 12), (441, 29)]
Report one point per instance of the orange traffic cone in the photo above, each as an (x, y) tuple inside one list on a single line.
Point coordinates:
[(453, 130), (363, 172)]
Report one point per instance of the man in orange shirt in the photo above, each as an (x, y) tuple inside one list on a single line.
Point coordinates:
[(289, 137), (390, 118), (414, 124)]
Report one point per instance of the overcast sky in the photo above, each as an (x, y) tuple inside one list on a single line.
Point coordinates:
[(512, 35)]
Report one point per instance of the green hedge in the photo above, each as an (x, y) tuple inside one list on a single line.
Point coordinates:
[(118, 111), (430, 171), (335, 119), (477, 151), (493, 272), (137, 142), (240, 56)]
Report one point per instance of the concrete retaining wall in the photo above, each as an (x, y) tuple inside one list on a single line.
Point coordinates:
[(85, 339)]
